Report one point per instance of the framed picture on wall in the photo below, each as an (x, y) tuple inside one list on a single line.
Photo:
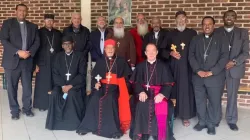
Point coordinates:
[(120, 8)]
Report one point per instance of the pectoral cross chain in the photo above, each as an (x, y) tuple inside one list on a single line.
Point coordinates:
[(109, 77)]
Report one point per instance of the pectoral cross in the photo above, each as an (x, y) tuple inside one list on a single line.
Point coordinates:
[(230, 47), (68, 75), (118, 44), (148, 86), (183, 45), (173, 47), (205, 56), (109, 77), (98, 78)]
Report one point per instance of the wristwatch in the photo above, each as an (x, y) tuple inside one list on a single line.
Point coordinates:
[(235, 62)]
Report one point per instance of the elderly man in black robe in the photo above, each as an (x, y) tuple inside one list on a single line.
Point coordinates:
[(153, 83), (108, 111), (66, 106)]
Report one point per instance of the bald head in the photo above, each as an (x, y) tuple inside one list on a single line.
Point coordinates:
[(118, 22), (156, 24), (76, 19), (140, 19)]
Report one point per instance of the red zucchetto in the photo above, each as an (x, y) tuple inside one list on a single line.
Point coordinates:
[(109, 42)]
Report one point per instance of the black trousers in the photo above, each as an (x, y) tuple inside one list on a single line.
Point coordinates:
[(12, 77), (208, 104)]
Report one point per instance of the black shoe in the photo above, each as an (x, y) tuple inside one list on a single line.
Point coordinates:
[(82, 133), (29, 113), (42, 110), (15, 117), (217, 125), (211, 131), (199, 127), (233, 127)]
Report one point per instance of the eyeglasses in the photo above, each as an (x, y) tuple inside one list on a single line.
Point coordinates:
[(67, 44)]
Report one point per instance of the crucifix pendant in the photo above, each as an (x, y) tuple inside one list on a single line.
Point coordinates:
[(109, 77), (148, 86), (118, 44), (68, 75), (51, 50)]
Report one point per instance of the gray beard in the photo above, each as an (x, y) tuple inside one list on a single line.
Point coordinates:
[(142, 29), (119, 32)]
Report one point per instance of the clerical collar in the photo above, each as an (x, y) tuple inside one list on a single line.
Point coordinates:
[(48, 29), (111, 58), (208, 36), (21, 22), (229, 29), (151, 62), (68, 54)]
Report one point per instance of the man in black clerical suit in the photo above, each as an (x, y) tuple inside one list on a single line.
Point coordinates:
[(50, 44), (66, 104), (208, 55), (20, 40), (238, 41), (156, 36)]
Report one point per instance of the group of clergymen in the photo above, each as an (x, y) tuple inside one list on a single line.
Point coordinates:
[(136, 73)]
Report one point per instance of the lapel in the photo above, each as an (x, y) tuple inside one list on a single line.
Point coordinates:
[(28, 33), (236, 39), (98, 42), (201, 45), (16, 28)]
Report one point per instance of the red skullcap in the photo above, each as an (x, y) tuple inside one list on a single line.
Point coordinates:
[(109, 42)]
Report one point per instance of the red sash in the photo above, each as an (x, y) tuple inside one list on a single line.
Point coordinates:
[(123, 101)]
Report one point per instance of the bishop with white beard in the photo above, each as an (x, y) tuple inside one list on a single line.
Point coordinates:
[(124, 42)]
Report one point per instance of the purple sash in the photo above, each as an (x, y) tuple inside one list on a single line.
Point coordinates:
[(161, 112)]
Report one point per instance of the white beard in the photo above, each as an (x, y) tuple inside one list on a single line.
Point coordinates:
[(119, 32), (181, 28), (142, 29)]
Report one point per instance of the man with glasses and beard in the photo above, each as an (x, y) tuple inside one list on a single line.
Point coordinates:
[(124, 42), (180, 67), (138, 34), (66, 107)]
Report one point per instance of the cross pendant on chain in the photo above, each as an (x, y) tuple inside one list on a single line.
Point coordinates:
[(148, 86), (68, 75)]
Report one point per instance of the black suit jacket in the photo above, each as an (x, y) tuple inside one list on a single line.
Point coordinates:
[(149, 38), (94, 44), (239, 50), (216, 61), (11, 39), (81, 39)]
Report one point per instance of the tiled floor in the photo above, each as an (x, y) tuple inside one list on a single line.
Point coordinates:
[(33, 128)]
